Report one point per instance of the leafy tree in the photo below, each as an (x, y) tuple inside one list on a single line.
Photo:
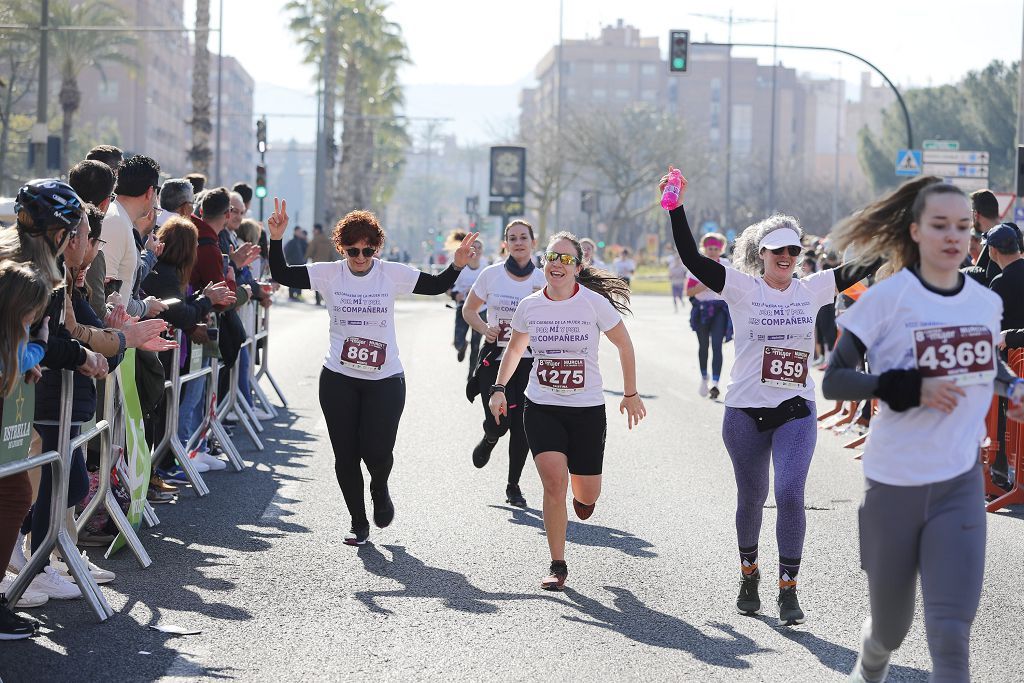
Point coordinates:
[(18, 72)]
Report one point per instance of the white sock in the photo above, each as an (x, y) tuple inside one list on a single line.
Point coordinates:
[(874, 658)]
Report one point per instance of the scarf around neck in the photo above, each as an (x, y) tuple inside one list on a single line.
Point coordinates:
[(513, 267)]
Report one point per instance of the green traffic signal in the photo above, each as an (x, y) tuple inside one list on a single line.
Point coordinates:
[(679, 64), (261, 192)]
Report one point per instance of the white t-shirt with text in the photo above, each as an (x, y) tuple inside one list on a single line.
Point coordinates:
[(564, 336), (502, 294), (904, 325), (362, 310), (774, 333)]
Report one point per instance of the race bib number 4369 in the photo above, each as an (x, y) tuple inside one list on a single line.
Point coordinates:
[(364, 354), (962, 353), (561, 375), (786, 368)]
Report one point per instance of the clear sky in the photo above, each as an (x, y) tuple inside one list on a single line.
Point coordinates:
[(499, 42)]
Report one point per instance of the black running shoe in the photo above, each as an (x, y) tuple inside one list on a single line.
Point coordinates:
[(383, 508), (749, 602), (13, 626), (482, 452), (713, 393), (358, 534), (514, 496), (583, 511), (555, 581), (462, 353), (790, 613)]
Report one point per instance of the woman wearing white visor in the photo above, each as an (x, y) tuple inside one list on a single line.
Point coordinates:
[(769, 415)]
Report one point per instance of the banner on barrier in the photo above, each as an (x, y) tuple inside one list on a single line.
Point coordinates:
[(137, 456), (18, 409)]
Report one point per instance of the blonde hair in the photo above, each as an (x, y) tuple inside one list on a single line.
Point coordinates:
[(714, 236), (23, 292), (882, 228), (746, 253), (250, 231), (17, 245)]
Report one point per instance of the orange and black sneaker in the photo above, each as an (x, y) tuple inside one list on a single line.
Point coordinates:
[(555, 581), (583, 511), (749, 601)]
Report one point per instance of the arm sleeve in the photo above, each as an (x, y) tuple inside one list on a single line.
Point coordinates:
[(436, 284), (30, 355), (135, 308), (710, 273), (844, 380), (148, 261), (518, 323), (289, 276), (62, 353), (1004, 378), (1014, 339), (848, 274)]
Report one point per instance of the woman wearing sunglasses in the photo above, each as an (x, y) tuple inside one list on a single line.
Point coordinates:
[(564, 412), (769, 415), (362, 385), (501, 287)]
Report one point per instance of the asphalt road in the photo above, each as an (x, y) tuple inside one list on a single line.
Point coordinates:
[(450, 591)]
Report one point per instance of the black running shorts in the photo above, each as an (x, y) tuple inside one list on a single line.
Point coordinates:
[(579, 433)]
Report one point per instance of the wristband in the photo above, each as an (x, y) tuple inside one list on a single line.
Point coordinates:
[(495, 389), (630, 395)]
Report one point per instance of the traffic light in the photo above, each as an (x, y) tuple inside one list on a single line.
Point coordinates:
[(261, 181), (589, 201), (678, 46), (261, 135)]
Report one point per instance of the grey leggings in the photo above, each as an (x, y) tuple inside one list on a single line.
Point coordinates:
[(937, 531), (790, 446)]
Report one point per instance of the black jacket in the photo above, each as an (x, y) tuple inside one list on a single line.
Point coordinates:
[(1009, 285), (162, 282)]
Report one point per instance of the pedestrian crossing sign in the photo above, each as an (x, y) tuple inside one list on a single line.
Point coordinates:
[(908, 162)]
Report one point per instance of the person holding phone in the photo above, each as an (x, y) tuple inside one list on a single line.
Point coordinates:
[(362, 384), (769, 403)]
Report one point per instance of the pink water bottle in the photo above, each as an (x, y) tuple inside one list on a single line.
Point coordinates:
[(670, 198)]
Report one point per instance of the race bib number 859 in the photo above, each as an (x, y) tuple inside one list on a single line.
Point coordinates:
[(364, 354), (962, 353), (786, 368)]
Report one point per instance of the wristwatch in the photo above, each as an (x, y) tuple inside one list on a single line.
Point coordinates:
[(496, 388)]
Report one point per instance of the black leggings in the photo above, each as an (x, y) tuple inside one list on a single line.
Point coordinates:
[(362, 420), (515, 390), (712, 333), (37, 521)]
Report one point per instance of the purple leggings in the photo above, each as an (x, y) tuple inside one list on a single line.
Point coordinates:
[(790, 446)]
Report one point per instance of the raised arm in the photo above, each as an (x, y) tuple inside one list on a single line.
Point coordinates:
[(289, 276), (439, 284), (709, 272), (849, 274)]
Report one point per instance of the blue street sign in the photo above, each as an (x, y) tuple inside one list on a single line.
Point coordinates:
[(908, 162)]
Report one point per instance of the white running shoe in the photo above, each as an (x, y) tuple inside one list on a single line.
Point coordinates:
[(211, 462), (28, 599), (702, 390), (201, 466), (101, 576), (262, 415), (55, 586), (18, 560)]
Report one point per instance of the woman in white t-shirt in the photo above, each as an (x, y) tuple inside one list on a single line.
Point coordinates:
[(565, 411), (769, 404), (929, 335), (460, 290), (362, 385), (709, 318), (625, 266), (500, 287)]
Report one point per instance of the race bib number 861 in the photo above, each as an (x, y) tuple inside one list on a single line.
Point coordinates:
[(364, 354), (962, 353)]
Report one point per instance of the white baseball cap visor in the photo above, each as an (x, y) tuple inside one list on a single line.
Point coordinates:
[(783, 237)]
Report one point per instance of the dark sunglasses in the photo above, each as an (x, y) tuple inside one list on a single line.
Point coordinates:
[(566, 259), (367, 251), (792, 249)]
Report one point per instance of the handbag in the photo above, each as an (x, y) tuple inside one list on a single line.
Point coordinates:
[(768, 419)]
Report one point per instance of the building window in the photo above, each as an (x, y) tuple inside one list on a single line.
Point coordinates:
[(622, 68), (600, 93), (648, 69), (622, 94), (600, 68), (648, 95), (742, 128)]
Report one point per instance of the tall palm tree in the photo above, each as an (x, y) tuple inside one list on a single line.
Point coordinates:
[(74, 51), (199, 153), (317, 25)]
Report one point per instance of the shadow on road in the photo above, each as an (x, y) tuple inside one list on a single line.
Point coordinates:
[(420, 580), (593, 535), (631, 618)]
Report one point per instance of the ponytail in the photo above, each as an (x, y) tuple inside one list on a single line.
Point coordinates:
[(608, 285)]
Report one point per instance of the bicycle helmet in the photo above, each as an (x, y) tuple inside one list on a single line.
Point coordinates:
[(52, 204)]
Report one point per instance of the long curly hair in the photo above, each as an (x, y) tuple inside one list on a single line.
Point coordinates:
[(606, 284), (746, 252)]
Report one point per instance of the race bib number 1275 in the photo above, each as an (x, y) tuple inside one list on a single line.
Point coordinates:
[(561, 375)]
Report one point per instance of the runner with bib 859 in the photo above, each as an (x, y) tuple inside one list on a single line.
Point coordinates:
[(769, 404), (564, 415), (929, 335), (362, 385)]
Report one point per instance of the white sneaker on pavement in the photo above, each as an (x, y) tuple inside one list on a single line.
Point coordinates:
[(199, 463), (18, 560), (55, 586), (211, 462), (101, 576), (28, 599), (702, 390)]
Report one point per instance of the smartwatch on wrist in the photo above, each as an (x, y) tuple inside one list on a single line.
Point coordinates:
[(496, 388)]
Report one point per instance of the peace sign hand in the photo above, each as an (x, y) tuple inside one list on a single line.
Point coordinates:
[(278, 221), (465, 250)]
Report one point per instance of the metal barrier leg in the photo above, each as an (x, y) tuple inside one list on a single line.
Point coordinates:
[(277, 389), (125, 527), (230, 405), (249, 412), (149, 515)]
